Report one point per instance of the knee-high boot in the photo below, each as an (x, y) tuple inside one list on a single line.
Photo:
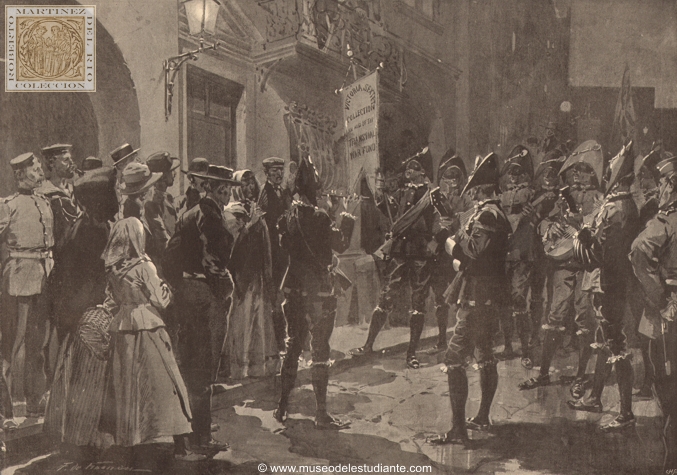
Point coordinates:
[(648, 367), (416, 321), (458, 395), (624, 375), (320, 379), (584, 353), (378, 319), (287, 381), (522, 322), (602, 370), (488, 385), (507, 326)]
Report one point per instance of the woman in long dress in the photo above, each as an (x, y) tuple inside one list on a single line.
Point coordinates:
[(146, 397), (251, 340)]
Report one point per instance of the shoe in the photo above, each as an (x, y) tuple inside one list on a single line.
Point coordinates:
[(533, 383), (280, 415), (580, 405), (331, 423), (451, 437), (527, 363), (577, 389), (475, 424), (361, 351), (209, 445), (437, 349), (9, 424), (620, 423), (189, 456), (413, 363)]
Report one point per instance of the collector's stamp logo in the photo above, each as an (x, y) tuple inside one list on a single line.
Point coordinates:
[(50, 48)]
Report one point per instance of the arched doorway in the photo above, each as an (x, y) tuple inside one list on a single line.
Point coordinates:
[(95, 123)]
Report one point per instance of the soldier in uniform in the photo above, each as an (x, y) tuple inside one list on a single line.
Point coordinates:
[(194, 191), (195, 264), (275, 200), (479, 250), (159, 210), (451, 177), (516, 202), (654, 261), (582, 172), (58, 189), (311, 286), (605, 245), (411, 261), (26, 229)]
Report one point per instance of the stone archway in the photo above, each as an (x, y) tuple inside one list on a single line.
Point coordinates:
[(95, 123)]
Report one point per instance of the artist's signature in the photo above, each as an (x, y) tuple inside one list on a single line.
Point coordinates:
[(103, 466), (671, 471)]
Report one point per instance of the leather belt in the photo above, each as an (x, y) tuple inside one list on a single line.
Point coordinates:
[(30, 254)]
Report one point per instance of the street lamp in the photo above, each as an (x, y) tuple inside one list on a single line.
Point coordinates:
[(202, 15)]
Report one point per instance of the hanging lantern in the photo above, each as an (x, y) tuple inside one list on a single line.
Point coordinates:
[(202, 16)]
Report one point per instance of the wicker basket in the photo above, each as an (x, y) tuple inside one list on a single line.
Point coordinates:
[(93, 331)]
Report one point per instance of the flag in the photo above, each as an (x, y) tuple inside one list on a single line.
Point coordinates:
[(625, 120)]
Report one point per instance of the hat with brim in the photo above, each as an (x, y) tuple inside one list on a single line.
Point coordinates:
[(56, 149), (520, 156), (485, 173), (219, 173), (197, 165), (162, 162), (137, 178), (590, 153), (622, 165), (120, 154)]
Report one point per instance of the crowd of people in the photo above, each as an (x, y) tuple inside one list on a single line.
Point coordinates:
[(122, 306)]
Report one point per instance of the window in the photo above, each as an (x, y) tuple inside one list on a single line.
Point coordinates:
[(428, 8), (212, 101)]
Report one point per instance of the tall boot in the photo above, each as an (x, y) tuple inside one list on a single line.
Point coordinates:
[(507, 326), (584, 353), (442, 316), (647, 384), (287, 381), (416, 321), (320, 380), (488, 385), (458, 395), (536, 312), (624, 375), (602, 370), (378, 319)]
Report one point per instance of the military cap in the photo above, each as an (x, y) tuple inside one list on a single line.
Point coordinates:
[(519, 157), (91, 163), (449, 162), (161, 162), (197, 165), (121, 153), (219, 173), (590, 153), (414, 165), (668, 166), (137, 178), (56, 149), (272, 162), (307, 180), (22, 161), (485, 172)]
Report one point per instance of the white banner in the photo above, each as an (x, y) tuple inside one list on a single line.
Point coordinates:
[(360, 118)]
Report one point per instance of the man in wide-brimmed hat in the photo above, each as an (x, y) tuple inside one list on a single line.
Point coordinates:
[(26, 222), (606, 245), (195, 263), (412, 260), (161, 213), (654, 260), (516, 202), (311, 286), (194, 191), (275, 200), (479, 250), (123, 156), (451, 177)]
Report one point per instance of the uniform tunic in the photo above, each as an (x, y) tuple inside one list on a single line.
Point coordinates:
[(481, 249)]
